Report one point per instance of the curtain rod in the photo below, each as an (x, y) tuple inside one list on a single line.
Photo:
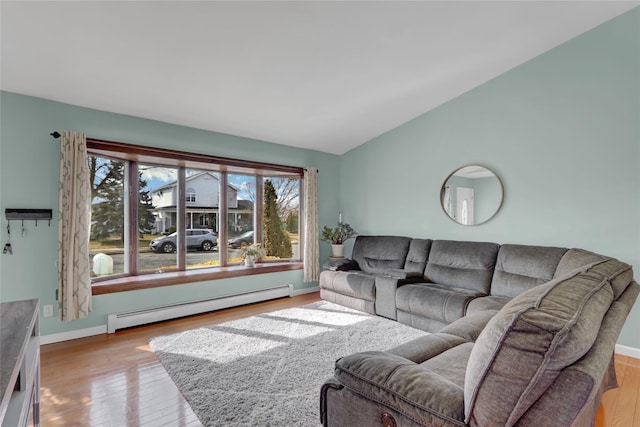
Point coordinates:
[(57, 135)]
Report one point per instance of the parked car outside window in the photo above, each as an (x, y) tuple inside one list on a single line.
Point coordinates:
[(197, 238), (243, 239)]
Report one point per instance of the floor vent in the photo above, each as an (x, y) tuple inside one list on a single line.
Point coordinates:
[(173, 311)]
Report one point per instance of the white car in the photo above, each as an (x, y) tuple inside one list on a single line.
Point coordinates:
[(197, 238)]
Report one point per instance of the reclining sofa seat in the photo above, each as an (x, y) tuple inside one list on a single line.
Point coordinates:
[(544, 359), (455, 274), (352, 283)]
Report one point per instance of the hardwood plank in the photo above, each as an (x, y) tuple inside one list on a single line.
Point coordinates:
[(116, 380)]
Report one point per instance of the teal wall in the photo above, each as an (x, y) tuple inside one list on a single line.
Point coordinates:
[(563, 133), (29, 169)]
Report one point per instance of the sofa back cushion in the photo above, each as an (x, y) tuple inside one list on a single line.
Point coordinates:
[(378, 254), (418, 255), (575, 259), (521, 267), (467, 265), (523, 349)]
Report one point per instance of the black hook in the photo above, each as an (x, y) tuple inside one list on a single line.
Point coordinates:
[(55, 134)]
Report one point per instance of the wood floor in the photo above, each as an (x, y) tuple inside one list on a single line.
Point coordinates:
[(116, 380)]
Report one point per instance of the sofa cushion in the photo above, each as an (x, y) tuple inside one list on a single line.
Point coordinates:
[(467, 265), (418, 255), (377, 254), (353, 284), (524, 347), (421, 394), (486, 303), (576, 259), (434, 301), (521, 267)]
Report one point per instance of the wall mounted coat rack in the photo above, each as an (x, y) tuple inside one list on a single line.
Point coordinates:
[(29, 214)]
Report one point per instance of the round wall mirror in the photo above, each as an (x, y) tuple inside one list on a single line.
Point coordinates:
[(471, 195)]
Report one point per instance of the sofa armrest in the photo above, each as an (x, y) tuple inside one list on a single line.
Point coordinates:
[(343, 264), (412, 389), (399, 273), (386, 287)]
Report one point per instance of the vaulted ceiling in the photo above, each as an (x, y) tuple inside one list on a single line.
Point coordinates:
[(323, 75)]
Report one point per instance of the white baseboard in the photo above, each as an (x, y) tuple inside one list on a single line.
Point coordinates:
[(72, 335), (297, 292), (628, 351), (97, 330)]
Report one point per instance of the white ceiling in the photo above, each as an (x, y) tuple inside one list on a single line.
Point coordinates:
[(322, 75)]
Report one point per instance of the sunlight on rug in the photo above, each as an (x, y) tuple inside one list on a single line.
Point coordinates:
[(268, 369)]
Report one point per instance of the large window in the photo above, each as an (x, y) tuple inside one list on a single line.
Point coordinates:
[(160, 211)]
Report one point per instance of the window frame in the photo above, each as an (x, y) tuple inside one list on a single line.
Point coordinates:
[(138, 154)]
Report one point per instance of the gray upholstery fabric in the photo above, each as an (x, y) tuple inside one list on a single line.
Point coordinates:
[(584, 380), (451, 364), (434, 301), (357, 285), (420, 349), (386, 295), (467, 265), (343, 264), (349, 409), (350, 289), (469, 327), (385, 292), (520, 268), (418, 255), (527, 345), (419, 322), (486, 303), (419, 393), (348, 301), (376, 254), (574, 259)]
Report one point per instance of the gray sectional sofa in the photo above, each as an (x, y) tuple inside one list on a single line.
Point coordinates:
[(519, 335)]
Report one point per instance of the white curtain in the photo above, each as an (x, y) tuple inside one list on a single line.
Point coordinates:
[(74, 280), (311, 238)]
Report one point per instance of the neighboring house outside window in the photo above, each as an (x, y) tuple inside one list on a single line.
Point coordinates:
[(158, 210), (191, 195)]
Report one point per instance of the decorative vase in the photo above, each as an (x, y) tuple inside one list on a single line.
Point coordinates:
[(337, 251), (249, 262)]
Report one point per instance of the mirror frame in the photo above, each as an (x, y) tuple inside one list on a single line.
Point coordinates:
[(452, 174)]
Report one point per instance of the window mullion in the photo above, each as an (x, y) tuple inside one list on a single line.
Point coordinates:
[(258, 235), (301, 220), (132, 222), (181, 207), (222, 219)]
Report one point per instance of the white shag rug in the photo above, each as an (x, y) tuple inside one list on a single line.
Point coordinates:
[(267, 370)]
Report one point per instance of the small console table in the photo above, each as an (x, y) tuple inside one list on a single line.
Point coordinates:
[(20, 363)]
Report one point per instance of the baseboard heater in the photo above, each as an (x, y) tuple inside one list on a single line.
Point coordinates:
[(173, 311)]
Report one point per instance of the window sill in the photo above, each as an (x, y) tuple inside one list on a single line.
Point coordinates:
[(147, 281)]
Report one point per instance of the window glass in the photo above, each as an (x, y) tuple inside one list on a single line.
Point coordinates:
[(108, 234), (281, 212), (157, 218), (201, 218), (153, 213), (240, 214)]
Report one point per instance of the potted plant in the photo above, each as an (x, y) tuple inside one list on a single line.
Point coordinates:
[(252, 253), (337, 236)]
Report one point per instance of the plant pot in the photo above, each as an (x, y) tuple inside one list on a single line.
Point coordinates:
[(337, 251), (249, 262)]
